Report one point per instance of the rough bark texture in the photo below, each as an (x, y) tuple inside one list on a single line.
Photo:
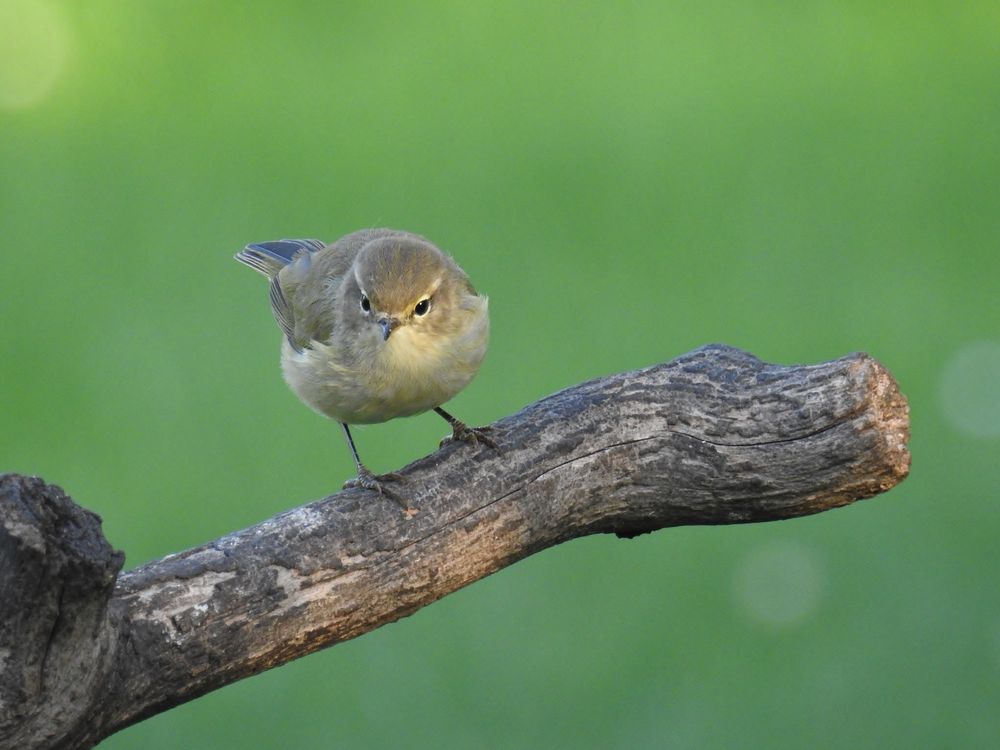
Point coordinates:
[(714, 437)]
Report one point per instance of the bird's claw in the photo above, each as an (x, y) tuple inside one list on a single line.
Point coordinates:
[(474, 435), (365, 480)]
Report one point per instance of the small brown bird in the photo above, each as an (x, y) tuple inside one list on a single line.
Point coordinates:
[(378, 325)]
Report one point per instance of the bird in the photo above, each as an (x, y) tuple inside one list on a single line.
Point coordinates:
[(377, 325)]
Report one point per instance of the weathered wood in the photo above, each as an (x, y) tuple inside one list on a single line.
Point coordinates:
[(57, 573), (713, 437)]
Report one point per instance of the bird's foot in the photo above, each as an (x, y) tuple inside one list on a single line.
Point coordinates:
[(365, 480), (475, 435)]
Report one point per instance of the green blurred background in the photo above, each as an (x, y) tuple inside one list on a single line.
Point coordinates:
[(627, 182)]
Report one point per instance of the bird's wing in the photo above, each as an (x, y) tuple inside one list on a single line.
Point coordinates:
[(269, 258), (282, 312)]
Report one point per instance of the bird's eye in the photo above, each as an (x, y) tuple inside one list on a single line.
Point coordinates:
[(422, 307), (365, 304)]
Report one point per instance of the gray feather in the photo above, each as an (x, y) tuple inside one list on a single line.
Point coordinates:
[(269, 258), (282, 312)]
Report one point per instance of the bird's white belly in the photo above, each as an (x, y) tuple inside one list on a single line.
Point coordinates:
[(406, 375)]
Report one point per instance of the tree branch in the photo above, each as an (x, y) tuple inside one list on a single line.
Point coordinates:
[(713, 437)]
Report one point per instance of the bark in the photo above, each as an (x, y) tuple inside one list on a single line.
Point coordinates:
[(713, 437)]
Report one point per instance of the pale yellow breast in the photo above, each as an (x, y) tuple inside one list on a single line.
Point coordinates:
[(410, 373)]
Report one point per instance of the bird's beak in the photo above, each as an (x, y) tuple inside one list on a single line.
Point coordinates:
[(388, 325)]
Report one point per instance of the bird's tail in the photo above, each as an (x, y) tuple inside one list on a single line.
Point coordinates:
[(270, 257)]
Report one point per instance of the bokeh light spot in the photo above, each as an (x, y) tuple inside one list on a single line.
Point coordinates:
[(33, 44), (778, 584), (970, 389)]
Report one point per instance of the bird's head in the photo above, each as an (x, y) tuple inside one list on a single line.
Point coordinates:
[(406, 283)]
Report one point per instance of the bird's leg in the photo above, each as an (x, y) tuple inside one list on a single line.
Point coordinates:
[(367, 481), (461, 431)]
